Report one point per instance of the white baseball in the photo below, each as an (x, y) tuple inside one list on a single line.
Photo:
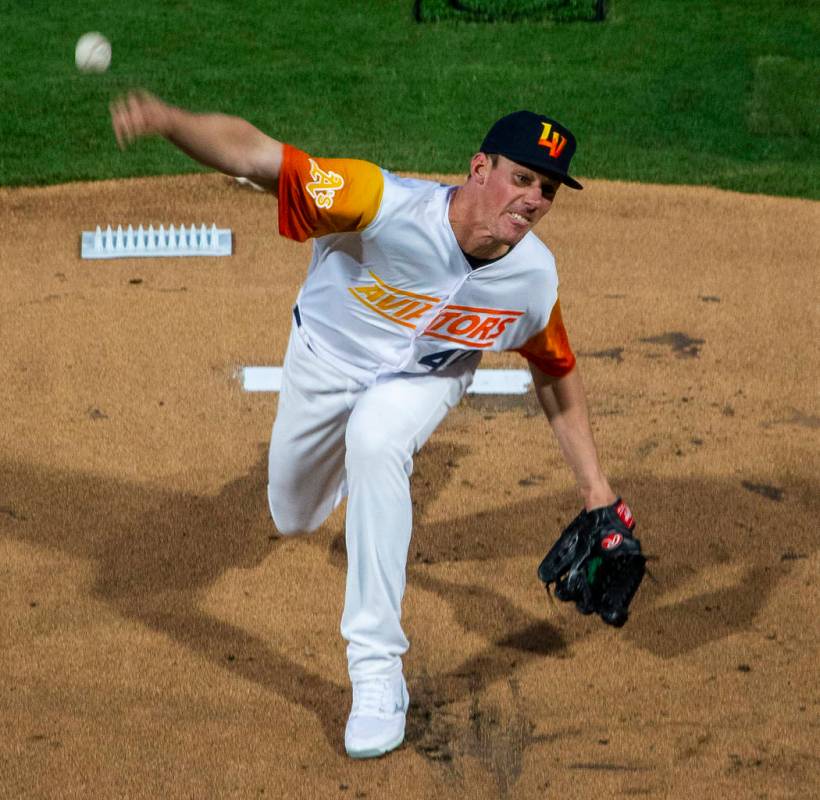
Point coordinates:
[(93, 53)]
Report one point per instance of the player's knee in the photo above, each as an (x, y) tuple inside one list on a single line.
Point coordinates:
[(288, 521), (289, 528), (370, 447)]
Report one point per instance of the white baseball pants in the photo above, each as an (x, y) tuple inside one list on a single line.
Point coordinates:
[(334, 437)]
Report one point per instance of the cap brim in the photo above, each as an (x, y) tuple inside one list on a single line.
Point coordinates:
[(571, 182)]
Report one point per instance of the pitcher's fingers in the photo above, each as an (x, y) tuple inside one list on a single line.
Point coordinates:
[(118, 123), (137, 118), (125, 122)]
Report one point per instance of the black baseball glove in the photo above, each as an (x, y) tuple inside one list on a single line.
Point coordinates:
[(597, 563)]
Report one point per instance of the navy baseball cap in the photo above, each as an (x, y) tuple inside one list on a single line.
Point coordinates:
[(534, 141)]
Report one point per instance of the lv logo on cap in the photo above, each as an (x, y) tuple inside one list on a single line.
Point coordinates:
[(554, 143)]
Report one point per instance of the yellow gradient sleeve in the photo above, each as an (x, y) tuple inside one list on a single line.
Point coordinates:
[(318, 196)]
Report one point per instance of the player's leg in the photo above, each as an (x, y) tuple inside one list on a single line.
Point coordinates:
[(390, 422), (306, 456)]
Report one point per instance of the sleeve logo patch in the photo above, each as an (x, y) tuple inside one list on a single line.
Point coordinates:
[(323, 185), (552, 140)]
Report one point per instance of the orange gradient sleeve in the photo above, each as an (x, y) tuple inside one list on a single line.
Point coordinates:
[(549, 349), (318, 196)]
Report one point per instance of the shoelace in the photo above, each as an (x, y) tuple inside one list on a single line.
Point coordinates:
[(371, 698)]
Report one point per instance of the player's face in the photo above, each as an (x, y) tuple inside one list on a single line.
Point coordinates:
[(515, 199)]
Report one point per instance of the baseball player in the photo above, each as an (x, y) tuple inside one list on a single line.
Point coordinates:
[(410, 282)]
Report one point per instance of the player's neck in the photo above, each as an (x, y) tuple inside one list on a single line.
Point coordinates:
[(473, 236)]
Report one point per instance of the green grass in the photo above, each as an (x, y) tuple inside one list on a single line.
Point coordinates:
[(785, 97), (496, 10), (667, 91)]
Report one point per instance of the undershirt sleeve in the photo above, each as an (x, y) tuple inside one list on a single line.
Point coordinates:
[(318, 196)]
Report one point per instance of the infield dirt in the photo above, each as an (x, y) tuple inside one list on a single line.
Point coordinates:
[(159, 640)]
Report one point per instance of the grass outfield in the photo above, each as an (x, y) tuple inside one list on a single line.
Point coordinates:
[(670, 91)]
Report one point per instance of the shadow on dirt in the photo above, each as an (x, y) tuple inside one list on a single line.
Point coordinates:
[(157, 552)]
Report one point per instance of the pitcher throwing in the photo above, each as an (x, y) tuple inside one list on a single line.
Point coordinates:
[(409, 283)]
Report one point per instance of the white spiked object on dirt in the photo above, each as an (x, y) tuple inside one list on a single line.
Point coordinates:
[(155, 242)]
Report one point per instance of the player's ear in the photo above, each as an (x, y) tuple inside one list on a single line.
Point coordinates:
[(480, 167)]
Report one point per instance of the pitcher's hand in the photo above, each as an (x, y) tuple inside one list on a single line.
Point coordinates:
[(139, 113)]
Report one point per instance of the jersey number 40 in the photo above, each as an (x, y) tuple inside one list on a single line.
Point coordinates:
[(437, 360)]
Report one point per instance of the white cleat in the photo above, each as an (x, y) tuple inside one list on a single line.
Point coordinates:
[(376, 722)]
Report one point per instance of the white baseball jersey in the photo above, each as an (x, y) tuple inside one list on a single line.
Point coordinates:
[(389, 290)]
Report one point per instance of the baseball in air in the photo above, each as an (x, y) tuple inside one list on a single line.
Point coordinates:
[(93, 53)]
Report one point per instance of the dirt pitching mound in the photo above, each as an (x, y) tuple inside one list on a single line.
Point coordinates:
[(160, 641)]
